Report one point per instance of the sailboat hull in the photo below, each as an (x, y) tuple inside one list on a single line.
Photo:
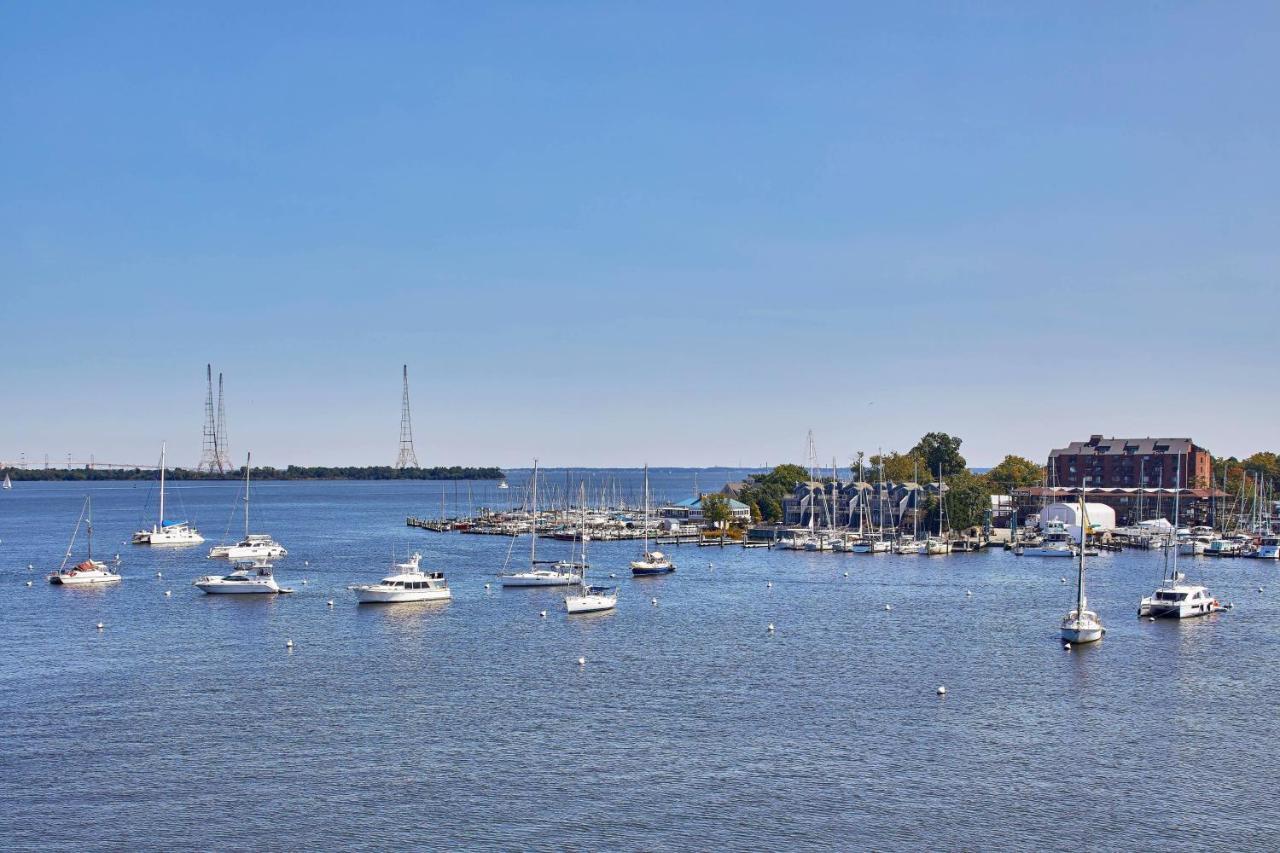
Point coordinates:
[(639, 570), (1079, 634)]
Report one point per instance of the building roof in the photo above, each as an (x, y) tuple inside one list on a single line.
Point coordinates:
[(696, 503), (1097, 445)]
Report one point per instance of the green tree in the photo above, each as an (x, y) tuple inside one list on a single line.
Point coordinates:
[(716, 511), (1014, 472), (1264, 463), (967, 499), (901, 467), (940, 450), (768, 491)]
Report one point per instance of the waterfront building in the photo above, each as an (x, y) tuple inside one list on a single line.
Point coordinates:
[(1119, 463), (690, 510)]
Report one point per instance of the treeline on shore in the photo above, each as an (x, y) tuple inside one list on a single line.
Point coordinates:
[(293, 472)]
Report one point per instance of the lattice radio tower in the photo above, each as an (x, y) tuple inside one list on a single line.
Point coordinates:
[(407, 458), (213, 454)]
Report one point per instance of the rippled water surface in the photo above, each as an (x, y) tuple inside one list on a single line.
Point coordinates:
[(186, 724)]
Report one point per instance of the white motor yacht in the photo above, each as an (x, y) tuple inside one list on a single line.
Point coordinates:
[(247, 578), (89, 571), (1197, 542), (909, 546), (167, 532), (1268, 547), (1056, 542), (410, 583)]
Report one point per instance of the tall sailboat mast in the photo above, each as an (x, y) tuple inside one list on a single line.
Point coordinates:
[(646, 510), (247, 458), (162, 448), (1084, 535), (89, 529), (533, 522)]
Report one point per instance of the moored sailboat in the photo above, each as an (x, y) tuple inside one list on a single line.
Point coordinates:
[(1081, 625), (253, 546), (560, 574), (650, 562), (89, 571), (167, 532)]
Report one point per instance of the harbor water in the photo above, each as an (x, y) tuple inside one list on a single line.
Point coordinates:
[(185, 723)]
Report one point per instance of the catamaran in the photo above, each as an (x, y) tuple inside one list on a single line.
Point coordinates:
[(650, 562), (560, 573), (167, 532), (90, 571), (1081, 625), (1175, 598), (253, 546)]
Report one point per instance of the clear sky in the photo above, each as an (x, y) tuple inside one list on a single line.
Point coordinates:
[(607, 233)]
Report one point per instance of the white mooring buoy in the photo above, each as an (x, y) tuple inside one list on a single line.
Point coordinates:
[(582, 661), (846, 574), (304, 581), (30, 566), (486, 586), (968, 593), (942, 691), (306, 562), (888, 607), (329, 602), (288, 644), (168, 592), (101, 626), (1064, 580), (770, 628), (654, 601), (1066, 646), (28, 583), (769, 585), (159, 574), (543, 614), (613, 574)]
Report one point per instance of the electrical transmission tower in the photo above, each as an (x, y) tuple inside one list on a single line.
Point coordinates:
[(211, 457), (220, 434), (407, 458)]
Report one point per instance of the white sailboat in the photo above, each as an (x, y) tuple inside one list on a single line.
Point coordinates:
[(650, 562), (1175, 598), (559, 574), (939, 544), (167, 532), (589, 599), (8, 484), (90, 571), (1081, 625), (410, 583), (253, 546)]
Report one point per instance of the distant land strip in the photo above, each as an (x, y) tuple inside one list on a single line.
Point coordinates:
[(293, 472)]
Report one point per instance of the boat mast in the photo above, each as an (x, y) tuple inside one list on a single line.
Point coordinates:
[(89, 528), (162, 446), (646, 510), (1177, 493), (247, 458), (942, 501), (915, 503), (533, 522), (1084, 526)]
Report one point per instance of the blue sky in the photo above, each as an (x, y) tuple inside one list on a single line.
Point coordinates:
[(610, 233)]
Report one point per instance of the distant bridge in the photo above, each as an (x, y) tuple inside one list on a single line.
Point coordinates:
[(70, 465)]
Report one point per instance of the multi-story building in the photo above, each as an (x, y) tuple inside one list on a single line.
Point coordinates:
[(1137, 463)]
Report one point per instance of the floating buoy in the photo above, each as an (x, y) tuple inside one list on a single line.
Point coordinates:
[(543, 614), (613, 574), (888, 607), (168, 592), (486, 586), (28, 583), (1066, 646), (101, 626), (288, 644), (769, 585), (1259, 589), (770, 628), (306, 562), (942, 691), (329, 602), (968, 593), (654, 601), (159, 574), (582, 661), (1151, 618), (304, 581), (1064, 580), (29, 567), (846, 574)]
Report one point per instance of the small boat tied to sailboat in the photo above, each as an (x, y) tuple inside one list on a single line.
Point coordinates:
[(650, 562), (89, 571)]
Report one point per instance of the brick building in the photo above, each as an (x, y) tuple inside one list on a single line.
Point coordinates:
[(1132, 463)]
